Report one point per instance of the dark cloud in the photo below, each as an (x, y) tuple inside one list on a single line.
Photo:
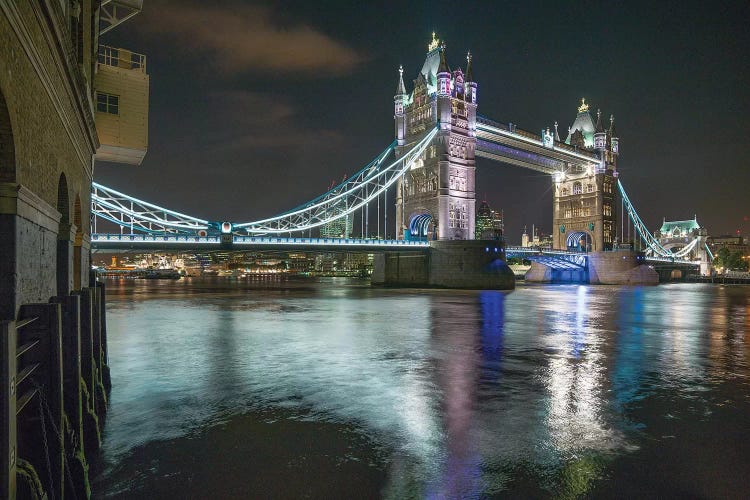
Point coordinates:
[(245, 37)]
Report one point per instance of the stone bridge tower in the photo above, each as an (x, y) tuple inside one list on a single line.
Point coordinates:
[(584, 203), (436, 198)]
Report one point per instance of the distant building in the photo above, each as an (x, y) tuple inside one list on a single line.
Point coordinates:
[(731, 242), (489, 223), (339, 228), (538, 239)]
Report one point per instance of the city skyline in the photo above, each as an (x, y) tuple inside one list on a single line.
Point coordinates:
[(295, 106)]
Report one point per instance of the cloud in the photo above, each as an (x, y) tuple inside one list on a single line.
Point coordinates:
[(261, 121), (245, 38)]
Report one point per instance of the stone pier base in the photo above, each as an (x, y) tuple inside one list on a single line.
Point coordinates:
[(604, 268), (473, 264)]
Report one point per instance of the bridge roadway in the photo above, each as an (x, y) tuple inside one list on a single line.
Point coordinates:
[(102, 242)]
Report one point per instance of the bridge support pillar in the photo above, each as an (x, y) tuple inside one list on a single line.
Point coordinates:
[(620, 268), (602, 268), (468, 264)]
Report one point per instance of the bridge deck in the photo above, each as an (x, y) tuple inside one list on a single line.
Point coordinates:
[(114, 242)]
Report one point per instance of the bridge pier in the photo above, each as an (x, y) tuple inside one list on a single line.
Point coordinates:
[(539, 273), (622, 267), (468, 264)]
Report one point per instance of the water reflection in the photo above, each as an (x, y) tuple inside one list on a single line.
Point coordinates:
[(543, 391)]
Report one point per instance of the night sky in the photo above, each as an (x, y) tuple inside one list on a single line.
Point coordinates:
[(256, 107)]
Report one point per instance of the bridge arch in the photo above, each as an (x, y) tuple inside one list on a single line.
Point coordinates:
[(422, 225), (580, 241)]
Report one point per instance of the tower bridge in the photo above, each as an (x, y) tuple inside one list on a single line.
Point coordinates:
[(428, 174)]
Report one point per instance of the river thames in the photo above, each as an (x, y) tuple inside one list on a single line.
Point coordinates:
[(329, 388)]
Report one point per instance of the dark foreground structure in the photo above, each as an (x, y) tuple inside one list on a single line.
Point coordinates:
[(53, 347)]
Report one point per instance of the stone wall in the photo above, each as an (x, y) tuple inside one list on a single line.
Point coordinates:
[(604, 268), (47, 140), (620, 268)]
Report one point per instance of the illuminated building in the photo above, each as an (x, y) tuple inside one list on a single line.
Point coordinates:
[(584, 197), (489, 223), (436, 198)]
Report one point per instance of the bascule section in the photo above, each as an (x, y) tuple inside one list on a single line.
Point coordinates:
[(435, 199), (584, 203)]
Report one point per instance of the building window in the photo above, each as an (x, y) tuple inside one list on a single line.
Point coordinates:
[(607, 209), (108, 103), (452, 215), (589, 188), (577, 188), (565, 191), (607, 186)]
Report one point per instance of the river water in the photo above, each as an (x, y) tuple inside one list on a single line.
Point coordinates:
[(330, 388)]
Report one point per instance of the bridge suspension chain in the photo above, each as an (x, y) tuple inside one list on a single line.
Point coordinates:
[(344, 199), (138, 215), (651, 242)]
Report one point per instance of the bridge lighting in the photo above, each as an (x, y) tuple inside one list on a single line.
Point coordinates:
[(559, 176)]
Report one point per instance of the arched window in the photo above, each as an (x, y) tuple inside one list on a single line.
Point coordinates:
[(577, 188)]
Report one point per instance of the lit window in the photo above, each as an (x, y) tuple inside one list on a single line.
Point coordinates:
[(577, 188), (108, 103)]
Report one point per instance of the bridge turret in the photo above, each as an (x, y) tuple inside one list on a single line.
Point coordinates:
[(613, 139), (600, 136), (399, 102), (443, 75), (471, 85)]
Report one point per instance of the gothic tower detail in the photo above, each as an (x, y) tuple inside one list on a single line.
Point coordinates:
[(436, 198), (584, 203)]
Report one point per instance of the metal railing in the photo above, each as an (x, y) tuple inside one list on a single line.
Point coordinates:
[(122, 58)]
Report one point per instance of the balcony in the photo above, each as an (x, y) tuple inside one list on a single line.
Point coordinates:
[(121, 108)]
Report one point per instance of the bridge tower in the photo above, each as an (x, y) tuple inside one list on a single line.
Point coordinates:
[(677, 235), (584, 203), (436, 198)]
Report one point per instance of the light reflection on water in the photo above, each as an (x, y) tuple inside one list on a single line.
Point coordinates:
[(546, 390)]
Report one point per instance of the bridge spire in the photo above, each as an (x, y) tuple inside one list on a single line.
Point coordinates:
[(469, 72), (443, 68), (401, 88), (600, 137)]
